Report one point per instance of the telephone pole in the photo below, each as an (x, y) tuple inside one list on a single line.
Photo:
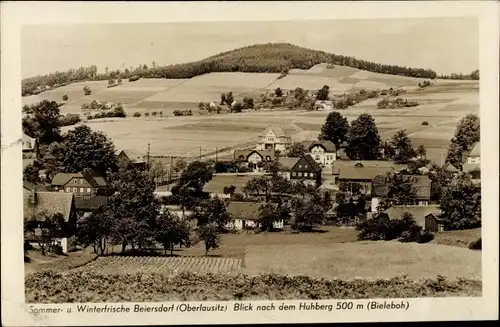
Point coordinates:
[(216, 150), (148, 155), (200, 152)]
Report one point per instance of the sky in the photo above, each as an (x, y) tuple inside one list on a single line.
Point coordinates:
[(445, 45)]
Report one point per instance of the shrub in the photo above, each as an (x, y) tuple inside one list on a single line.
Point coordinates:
[(276, 102), (65, 97), (382, 104), (404, 228), (69, 120), (425, 123), (137, 114), (154, 113), (476, 245), (133, 78), (146, 114), (87, 90)]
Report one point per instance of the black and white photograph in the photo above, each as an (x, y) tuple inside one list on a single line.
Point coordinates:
[(232, 161)]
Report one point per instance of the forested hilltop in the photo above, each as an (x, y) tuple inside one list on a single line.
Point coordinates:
[(259, 58)]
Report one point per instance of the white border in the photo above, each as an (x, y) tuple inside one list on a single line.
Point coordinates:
[(14, 15)]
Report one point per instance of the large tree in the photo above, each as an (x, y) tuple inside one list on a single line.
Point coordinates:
[(467, 134), (403, 149), (268, 215), (297, 150), (95, 230), (209, 234), (195, 175), (212, 211), (134, 209), (170, 230), (322, 93), (461, 204), (401, 190), (44, 122), (306, 214), (80, 149), (363, 139), (335, 129), (47, 232)]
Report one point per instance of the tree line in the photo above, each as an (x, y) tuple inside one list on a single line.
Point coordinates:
[(259, 58)]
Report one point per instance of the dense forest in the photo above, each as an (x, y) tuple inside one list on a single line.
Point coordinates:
[(259, 58)]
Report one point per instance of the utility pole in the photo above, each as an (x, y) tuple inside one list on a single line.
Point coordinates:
[(216, 150), (200, 152), (148, 155)]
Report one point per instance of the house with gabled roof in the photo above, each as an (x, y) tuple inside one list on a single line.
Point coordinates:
[(132, 158), (274, 138), (323, 152), (37, 204), (85, 183), (253, 158), (304, 169), (30, 147), (472, 163), (422, 184), (245, 215)]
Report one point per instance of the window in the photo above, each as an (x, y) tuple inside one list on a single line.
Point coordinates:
[(75, 181), (75, 190), (81, 181), (300, 174), (300, 166), (318, 158), (293, 174), (305, 166), (68, 189), (89, 190)]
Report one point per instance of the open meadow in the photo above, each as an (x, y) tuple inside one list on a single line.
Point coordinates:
[(441, 105)]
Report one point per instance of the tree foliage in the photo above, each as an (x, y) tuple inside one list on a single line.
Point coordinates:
[(297, 150), (322, 93), (403, 149), (401, 190), (50, 228), (335, 129), (467, 134), (209, 234), (307, 213), (171, 230), (43, 122), (363, 139), (268, 215), (461, 204)]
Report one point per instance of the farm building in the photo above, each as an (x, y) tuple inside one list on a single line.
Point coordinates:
[(425, 216), (421, 183), (472, 163), (253, 157), (323, 152), (246, 215), (304, 169), (323, 105), (132, 158), (215, 187), (362, 176), (274, 138), (337, 164), (38, 203), (81, 184)]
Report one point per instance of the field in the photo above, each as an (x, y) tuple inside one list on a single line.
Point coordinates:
[(442, 104)]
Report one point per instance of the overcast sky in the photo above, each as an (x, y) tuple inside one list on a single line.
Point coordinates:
[(445, 45)]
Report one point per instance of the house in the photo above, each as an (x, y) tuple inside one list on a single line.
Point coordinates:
[(323, 104), (323, 152), (421, 183), (274, 138), (30, 147), (131, 158), (342, 151), (86, 183), (338, 164), (253, 158), (38, 203), (472, 163), (363, 176), (215, 187), (246, 215), (304, 169), (426, 217)]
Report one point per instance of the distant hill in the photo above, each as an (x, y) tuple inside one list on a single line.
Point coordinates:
[(259, 58)]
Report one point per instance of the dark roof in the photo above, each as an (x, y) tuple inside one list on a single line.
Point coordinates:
[(314, 165), (244, 210), (288, 163), (90, 202), (327, 145), (418, 212), (247, 153), (277, 131), (134, 156), (50, 203), (92, 177), (363, 173), (32, 187), (422, 185), (337, 164)]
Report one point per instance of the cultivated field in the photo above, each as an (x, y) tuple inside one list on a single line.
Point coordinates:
[(442, 104)]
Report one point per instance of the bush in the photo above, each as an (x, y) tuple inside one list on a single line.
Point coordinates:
[(425, 123), (87, 90), (133, 78), (382, 229), (69, 120), (276, 101), (137, 114), (65, 97), (146, 114), (382, 104), (476, 245)]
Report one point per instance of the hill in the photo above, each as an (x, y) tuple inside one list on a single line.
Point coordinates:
[(259, 58)]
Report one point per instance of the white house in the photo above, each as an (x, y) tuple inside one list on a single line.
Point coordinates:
[(472, 163), (253, 157), (323, 152), (274, 138), (246, 215), (323, 104)]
